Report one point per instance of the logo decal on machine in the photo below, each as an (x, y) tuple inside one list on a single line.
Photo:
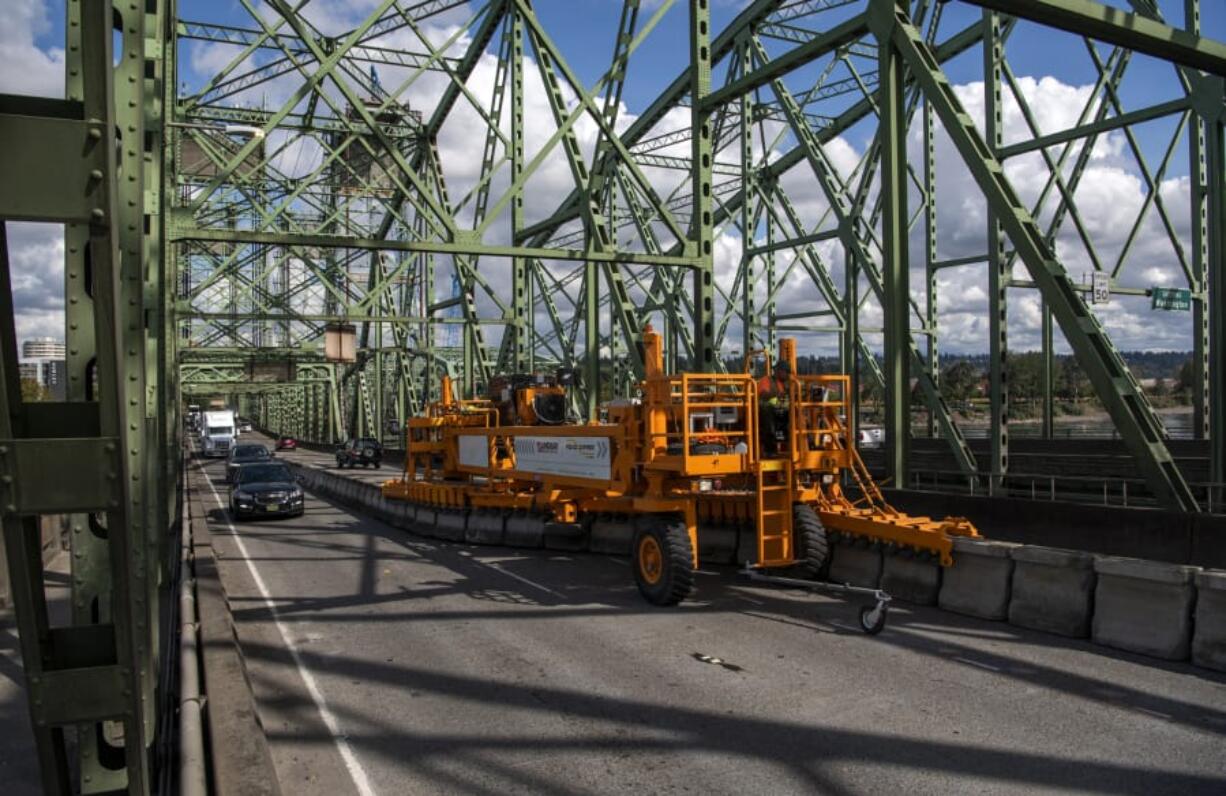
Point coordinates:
[(578, 457)]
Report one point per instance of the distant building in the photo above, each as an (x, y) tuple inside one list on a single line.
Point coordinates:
[(49, 373), (55, 375), (42, 348)]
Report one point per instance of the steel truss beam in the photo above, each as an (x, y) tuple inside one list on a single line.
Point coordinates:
[(1113, 382), (381, 245)]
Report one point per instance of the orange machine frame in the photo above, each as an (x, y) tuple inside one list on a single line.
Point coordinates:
[(668, 452)]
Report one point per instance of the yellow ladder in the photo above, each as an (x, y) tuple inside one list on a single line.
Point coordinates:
[(774, 514)]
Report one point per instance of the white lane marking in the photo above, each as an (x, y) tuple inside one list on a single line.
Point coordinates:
[(519, 578), (356, 772), (980, 664)]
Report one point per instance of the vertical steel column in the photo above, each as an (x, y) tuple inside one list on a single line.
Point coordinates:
[(894, 246), (1199, 217), (1215, 209), (1049, 373), (702, 154), (91, 560), (749, 193), (771, 304), (136, 440), (930, 256), (998, 279), (849, 354), (522, 322), (22, 539)]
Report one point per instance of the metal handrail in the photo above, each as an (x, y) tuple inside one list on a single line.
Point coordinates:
[(1214, 501)]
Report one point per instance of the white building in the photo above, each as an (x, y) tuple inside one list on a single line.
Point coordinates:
[(42, 348)]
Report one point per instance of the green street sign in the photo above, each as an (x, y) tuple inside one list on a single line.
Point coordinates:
[(1171, 298)]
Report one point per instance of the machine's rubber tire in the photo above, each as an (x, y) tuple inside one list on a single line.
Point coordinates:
[(663, 561), (870, 624), (812, 546)]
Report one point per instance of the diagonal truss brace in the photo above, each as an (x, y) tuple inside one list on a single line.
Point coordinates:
[(1113, 382), (827, 177)]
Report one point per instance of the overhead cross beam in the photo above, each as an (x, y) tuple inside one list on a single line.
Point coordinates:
[(1116, 26)]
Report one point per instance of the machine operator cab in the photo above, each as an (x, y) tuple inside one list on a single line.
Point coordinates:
[(780, 397)]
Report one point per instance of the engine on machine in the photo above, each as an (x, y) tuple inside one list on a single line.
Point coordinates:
[(531, 399)]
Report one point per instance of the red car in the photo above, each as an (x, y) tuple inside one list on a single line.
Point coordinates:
[(285, 443)]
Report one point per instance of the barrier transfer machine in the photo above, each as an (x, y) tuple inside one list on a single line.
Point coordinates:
[(695, 450)]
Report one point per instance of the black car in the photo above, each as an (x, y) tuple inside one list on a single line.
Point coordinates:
[(363, 451), (265, 489), (245, 454)]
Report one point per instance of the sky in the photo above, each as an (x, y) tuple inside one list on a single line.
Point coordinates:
[(1054, 72)]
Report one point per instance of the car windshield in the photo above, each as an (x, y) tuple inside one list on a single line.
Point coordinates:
[(365, 442), (255, 473), (250, 453), (221, 430)]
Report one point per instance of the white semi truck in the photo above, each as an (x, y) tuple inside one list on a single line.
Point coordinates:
[(217, 432)]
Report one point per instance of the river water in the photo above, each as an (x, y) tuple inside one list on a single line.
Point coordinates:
[(1178, 424)]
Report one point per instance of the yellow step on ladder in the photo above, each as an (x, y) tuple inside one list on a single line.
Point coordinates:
[(774, 512)]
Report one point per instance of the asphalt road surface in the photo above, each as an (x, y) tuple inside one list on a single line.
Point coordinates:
[(387, 663)]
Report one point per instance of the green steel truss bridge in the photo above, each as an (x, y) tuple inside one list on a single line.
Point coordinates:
[(213, 235)]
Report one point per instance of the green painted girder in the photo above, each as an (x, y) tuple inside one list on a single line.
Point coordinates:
[(1116, 26), (851, 227), (774, 68), (277, 238), (246, 37), (491, 15), (1113, 382), (668, 99)]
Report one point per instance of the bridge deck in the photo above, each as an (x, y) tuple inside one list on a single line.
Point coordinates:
[(388, 663)]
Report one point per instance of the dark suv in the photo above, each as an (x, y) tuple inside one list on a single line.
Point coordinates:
[(363, 451)]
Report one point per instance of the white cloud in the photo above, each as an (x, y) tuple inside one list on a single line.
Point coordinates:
[(27, 68)]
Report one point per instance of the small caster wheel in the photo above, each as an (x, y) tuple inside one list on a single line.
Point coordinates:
[(872, 618)]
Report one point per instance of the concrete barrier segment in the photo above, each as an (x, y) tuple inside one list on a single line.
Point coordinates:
[(1052, 590), (980, 581), (1144, 606)]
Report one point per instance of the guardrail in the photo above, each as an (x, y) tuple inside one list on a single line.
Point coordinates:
[(1096, 490)]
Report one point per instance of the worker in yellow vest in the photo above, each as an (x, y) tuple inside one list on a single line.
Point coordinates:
[(772, 404)]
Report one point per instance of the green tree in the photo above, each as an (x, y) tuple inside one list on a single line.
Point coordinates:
[(960, 381), (1071, 381), (1025, 374), (32, 391), (1186, 378)]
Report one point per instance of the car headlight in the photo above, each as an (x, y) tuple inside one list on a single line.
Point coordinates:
[(296, 492), (240, 495)]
